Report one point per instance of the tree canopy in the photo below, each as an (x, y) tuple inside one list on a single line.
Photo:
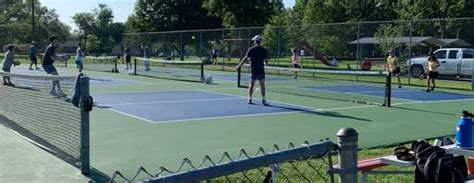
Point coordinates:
[(98, 30), (243, 13), (165, 15), (16, 25)]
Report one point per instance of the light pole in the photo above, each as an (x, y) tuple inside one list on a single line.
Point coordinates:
[(195, 44), (32, 20)]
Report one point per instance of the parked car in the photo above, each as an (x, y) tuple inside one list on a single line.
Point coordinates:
[(453, 61)]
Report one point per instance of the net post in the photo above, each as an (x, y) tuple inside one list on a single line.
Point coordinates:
[(135, 66), (85, 155), (472, 77), (388, 90), (115, 65), (238, 76), (202, 72)]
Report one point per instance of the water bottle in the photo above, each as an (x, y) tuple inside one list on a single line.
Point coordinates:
[(464, 131)]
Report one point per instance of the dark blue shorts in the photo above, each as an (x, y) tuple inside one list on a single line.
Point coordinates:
[(396, 71), (33, 59), (6, 69), (433, 75), (258, 76), (49, 69)]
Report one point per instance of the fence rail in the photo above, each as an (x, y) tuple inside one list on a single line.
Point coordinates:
[(263, 160)]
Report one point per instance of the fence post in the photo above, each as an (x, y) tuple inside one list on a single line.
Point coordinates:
[(347, 141), (410, 25)]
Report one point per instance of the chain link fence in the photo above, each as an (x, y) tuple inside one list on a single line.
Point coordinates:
[(308, 163), (340, 46)]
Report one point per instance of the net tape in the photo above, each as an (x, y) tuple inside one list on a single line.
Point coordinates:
[(192, 71), (107, 64), (171, 61), (346, 72), (312, 84)]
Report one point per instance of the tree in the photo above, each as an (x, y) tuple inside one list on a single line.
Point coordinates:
[(166, 15), (436, 9), (99, 25), (93, 42), (385, 36), (116, 30), (275, 39), (243, 13), (15, 23), (85, 22), (372, 10), (329, 39)]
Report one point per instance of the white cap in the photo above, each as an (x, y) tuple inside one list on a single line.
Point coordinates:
[(257, 38)]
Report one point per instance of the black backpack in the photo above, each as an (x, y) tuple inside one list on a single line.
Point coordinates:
[(450, 169), (435, 165)]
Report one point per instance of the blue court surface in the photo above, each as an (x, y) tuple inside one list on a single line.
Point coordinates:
[(223, 77), (247, 77), (174, 106), (110, 81), (398, 93)]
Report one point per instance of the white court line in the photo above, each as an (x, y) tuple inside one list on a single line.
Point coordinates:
[(434, 101), (278, 113), (230, 116), (393, 91), (290, 112), (32, 141), (162, 91), (132, 116), (236, 97), (273, 113), (302, 106), (336, 92), (173, 101)]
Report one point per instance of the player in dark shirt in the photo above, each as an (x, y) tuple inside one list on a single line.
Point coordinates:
[(33, 52), (48, 61), (259, 57)]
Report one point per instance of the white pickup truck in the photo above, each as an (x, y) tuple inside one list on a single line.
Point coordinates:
[(452, 61)]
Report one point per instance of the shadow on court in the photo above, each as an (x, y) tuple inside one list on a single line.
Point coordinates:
[(320, 113), (425, 111)]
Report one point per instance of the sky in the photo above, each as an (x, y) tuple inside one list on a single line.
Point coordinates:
[(121, 8)]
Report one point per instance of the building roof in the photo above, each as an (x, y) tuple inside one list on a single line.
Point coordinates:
[(455, 42), (421, 41), (70, 43)]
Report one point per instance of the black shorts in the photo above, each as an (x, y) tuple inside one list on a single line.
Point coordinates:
[(433, 75), (50, 69), (128, 58), (33, 59), (396, 71), (214, 56), (296, 66), (257, 76)]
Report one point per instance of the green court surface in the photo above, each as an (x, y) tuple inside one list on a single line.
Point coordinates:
[(120, 142)]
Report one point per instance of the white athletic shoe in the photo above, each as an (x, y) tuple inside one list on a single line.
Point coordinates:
[(60, 93), (54, 94)]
